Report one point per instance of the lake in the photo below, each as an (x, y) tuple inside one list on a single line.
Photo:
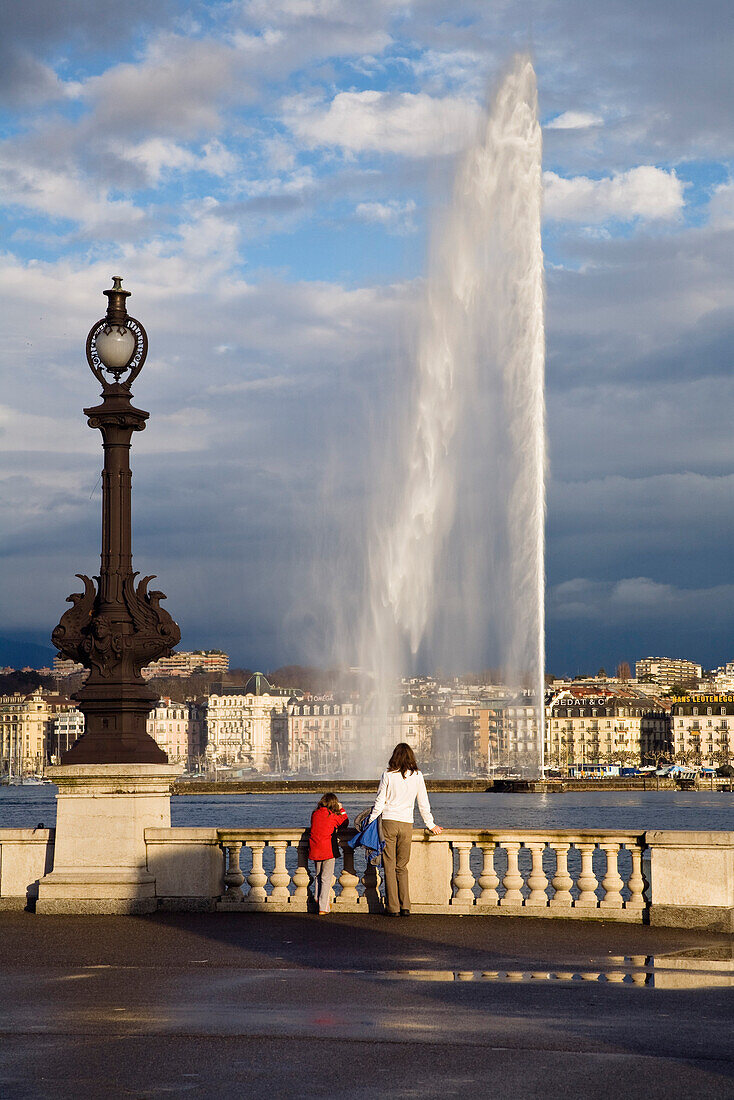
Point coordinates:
[(27, 807)]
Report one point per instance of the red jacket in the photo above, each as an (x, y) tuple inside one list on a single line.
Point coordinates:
[(323, 825)]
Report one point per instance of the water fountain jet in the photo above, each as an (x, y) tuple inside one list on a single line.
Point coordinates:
[(459, 559)]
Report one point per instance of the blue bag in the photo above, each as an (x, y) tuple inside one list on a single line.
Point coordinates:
[(370, 838)]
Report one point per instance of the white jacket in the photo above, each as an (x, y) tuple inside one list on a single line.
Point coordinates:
[(396, 798)]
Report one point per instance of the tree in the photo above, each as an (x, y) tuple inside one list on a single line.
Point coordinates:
[(682, 687), (601, 674), (23, 683), (623, 671)]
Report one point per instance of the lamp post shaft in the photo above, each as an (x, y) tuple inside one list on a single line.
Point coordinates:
[(116, 628)]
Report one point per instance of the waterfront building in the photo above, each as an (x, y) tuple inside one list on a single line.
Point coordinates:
[(321, 735), (667, 671), (27, 730), (67, 727), (605, 729), (702, 729), (246, 726), (413, 719), (513, 733), (177, 728), (456, 742)]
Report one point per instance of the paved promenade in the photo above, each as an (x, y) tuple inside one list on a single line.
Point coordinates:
[(355, 1007)]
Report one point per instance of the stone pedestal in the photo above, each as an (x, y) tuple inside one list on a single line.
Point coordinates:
[(692, 879), (100, 861), (430, 869)]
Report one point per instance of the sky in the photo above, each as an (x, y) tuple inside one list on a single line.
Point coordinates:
[(264, 176)]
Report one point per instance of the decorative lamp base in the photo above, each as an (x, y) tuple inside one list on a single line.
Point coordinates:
[(114, 748)]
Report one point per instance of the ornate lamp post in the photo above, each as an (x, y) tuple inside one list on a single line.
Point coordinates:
[(116, 627)]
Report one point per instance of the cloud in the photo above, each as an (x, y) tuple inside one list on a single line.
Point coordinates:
[(158, 157), (177, 90), (574, 120), (721, 206), (393, 215), (406, 124), (633, 600), (463, 69), (30, 31), (646, 192), (182, 144), (59, 192)]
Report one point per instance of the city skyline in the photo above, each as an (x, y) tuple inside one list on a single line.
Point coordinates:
[(264, 176)]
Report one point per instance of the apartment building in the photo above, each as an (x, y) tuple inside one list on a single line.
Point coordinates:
[(212, 661), (667, 671), (63, 667), (702, 729)]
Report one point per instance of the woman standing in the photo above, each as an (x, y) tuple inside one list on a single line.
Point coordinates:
[(399, 788)]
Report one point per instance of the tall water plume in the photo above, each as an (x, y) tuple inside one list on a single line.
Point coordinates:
[(456, 559)]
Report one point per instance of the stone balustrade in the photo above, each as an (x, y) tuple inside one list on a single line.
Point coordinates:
[(586, 874), (665, 877)]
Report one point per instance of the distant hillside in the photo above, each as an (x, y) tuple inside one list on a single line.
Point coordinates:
[(18, 653)]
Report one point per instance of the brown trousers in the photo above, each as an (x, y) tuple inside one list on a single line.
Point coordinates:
[(398, 837)]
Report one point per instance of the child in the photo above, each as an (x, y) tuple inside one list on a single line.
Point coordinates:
[(328, 816)]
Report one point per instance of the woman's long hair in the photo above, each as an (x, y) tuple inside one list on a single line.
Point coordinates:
[(402, 760)]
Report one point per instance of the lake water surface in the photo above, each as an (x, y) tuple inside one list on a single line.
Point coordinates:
[(26, 807)]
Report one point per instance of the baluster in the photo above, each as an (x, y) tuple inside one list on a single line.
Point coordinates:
[(488, 879), (301, 877), (640, 977), (587, 879), (636, 883), (513, 880), (562, 881), (371, 887), (257, 877), (537, 879), (463, 879), (233, 877), (348, 880), (612, 882), (280, 879)]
